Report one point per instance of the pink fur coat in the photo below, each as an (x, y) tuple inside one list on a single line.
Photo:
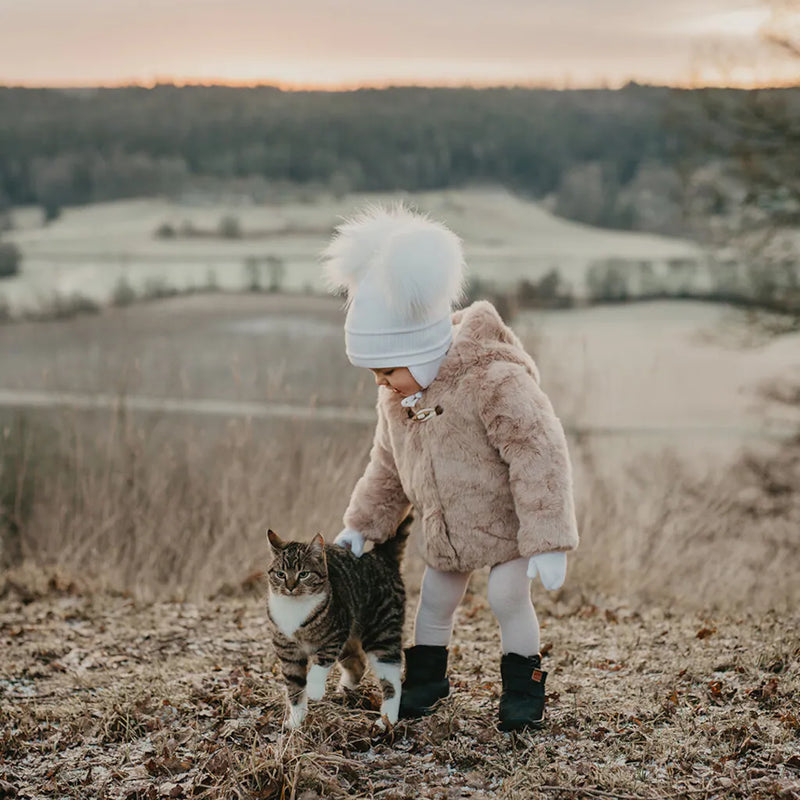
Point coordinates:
[(489, 476)]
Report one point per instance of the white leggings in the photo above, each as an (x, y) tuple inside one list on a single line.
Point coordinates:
[(509, 597)]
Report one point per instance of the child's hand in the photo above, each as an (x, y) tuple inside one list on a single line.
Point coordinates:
[(352, 540), (551, 569)]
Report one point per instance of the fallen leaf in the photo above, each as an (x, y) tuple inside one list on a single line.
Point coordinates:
[(715, 689), (793, 761)]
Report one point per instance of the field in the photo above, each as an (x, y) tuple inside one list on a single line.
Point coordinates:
[(133, 656), (95, 249)]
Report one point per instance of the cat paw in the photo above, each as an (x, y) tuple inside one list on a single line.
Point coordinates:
[(315, 682), (382, 726), (296, 715), (315, 692), (346, 684)]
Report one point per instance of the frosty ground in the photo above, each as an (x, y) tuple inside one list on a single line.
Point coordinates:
[(90, 250), (101, 696)]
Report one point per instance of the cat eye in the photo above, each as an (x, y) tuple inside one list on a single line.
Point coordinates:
[(280, 574), (303, 574)]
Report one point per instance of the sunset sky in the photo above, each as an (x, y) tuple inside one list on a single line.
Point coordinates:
[(376, 42)]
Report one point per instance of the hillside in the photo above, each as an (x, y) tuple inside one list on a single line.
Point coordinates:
[(90, 250)]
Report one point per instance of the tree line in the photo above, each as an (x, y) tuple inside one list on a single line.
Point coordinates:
[(607, 157)]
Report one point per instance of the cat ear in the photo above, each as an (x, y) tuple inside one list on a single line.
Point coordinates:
[(317, 548), (275, 540)]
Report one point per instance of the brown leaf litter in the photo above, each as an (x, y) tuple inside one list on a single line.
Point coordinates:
[(101, 697)]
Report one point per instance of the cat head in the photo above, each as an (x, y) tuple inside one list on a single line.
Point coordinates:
[(297, 568)]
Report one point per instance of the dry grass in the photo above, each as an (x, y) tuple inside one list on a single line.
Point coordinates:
[(171, 507), (726, 542), (108, 698), (154, 509), (162, 509)]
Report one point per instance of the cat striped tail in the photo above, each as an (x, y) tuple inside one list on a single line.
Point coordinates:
[(393, 549)]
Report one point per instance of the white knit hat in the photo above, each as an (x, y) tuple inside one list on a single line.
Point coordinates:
[(402, 273), (425, 374)]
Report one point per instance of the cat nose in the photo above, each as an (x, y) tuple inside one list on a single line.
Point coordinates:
[(291, 585)]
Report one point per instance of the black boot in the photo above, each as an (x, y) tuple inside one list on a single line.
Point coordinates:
[(522, 701), (426, 680)]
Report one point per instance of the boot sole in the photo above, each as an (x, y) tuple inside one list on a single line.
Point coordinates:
[(416, 713), (534, 725)]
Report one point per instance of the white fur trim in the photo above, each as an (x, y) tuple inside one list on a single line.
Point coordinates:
[(355, 242)]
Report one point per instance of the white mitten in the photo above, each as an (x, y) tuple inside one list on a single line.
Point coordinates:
[(351, 539), (551, 569)]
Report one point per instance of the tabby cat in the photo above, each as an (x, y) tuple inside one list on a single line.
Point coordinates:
[(326, 605)]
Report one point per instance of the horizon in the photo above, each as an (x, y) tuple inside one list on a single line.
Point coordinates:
[(335, 89)]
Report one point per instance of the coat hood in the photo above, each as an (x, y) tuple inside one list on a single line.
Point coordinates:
[(480, 338)]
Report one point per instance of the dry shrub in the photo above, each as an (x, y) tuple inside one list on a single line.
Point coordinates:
[(169, 507), (174, 508), (656, 533)]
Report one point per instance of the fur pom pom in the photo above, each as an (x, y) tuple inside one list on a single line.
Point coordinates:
[(355, 244), (416, 263)]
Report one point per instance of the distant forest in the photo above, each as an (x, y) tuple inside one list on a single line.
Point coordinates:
[(607, 157)]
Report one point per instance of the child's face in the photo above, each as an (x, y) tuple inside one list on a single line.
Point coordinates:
[(398, 379)]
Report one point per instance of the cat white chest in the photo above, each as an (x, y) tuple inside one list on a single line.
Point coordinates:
[(289, 613)]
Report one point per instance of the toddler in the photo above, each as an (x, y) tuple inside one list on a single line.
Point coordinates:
[(466, 436)]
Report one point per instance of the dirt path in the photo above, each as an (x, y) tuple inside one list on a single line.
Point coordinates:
[(104, 698), (19, 398), (197, 406)]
